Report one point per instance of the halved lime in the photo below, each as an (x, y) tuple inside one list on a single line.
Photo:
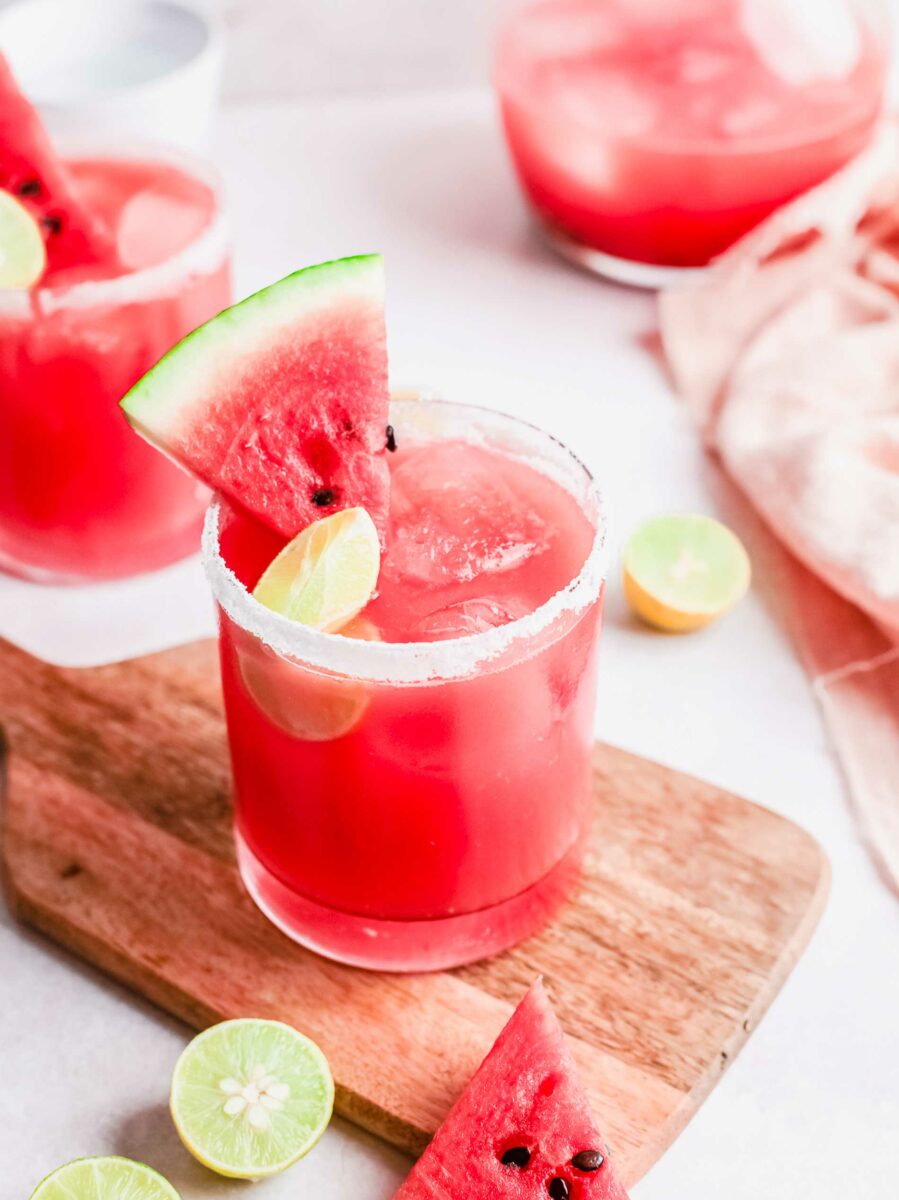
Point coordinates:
[(327, 574), (104, 1179), (251, 1097), (23, 256), (681, 572)]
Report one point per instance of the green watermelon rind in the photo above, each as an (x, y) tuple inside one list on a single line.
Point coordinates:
[(172, 394)]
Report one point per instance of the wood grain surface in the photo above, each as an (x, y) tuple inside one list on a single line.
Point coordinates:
[(694, 906)]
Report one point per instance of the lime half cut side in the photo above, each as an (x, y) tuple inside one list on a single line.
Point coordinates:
[(23, 256), (327, 574), (104, 1179), (251, 1097), (683, 571)]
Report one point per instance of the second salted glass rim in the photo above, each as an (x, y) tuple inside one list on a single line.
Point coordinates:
[(412, 663), (201, 255)]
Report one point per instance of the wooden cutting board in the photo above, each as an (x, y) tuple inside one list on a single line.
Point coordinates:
[(116, 842)]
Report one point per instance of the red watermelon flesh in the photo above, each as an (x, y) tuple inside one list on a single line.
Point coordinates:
[(525, 1104), (280, 403), (31, 171)]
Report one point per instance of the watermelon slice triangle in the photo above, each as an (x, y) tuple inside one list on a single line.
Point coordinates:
[(523, 1127), (31, 171), (280, 403)]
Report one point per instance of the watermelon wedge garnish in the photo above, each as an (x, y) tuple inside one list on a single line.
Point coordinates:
[(523, 1126), (280, 403), (31, 171)]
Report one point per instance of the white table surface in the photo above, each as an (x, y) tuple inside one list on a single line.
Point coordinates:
[(479, 310)]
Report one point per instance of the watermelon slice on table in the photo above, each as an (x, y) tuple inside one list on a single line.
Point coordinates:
[(280, 403), (522, 1128), (31, 171)]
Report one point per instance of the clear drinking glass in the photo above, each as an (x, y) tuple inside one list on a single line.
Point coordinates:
[(411, 806), (81, 498), (649, 135)]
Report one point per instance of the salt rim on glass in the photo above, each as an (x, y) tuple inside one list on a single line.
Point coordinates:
[(413, 663), (202, 255)]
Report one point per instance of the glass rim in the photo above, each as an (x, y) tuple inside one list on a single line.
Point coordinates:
[(202, 255), (410, 663)]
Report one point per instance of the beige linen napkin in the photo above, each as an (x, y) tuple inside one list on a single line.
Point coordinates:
[(787, 354)]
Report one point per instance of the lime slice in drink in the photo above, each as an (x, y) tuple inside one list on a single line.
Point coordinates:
[(327, 574), (305, 704), (681, 572), (104, 1179), (23, 255), (251, 1097)]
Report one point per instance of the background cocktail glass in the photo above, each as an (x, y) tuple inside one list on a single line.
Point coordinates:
[(412, 806), (81, 498), (649, 135)]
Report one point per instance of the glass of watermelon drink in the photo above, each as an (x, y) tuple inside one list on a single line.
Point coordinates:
[(81, 498), (649, 135), (414, 792)]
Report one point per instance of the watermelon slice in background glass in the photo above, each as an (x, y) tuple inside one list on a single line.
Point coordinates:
[(523, 1127), (32, 172), (280, 402)]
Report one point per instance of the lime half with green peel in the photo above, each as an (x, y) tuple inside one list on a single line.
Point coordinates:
[(23, 255), (104, 1179), (327, 574), (681, 572), (251, 1097)]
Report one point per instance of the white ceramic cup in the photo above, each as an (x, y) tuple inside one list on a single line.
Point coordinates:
[(148, 67)]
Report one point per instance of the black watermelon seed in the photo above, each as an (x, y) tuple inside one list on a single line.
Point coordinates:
[(588, 1160), (391, 439), (323, 497), (29, 187), (559, 1189), (53, 225), (516, 1156)]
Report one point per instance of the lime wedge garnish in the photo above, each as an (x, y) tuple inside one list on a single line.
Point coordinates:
[(23, 256), (681, 572), (327, 574), (104, 1179), (251, 1097)]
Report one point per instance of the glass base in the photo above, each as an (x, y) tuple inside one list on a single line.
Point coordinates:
[(620, 270), (164, 552), (428, 945)]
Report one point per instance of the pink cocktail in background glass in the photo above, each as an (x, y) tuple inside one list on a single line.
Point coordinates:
[(652, 134), (416, 793), (81, 498)]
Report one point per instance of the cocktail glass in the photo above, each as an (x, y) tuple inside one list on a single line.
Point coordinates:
[(411, 806), (649, 135), (81, 498)]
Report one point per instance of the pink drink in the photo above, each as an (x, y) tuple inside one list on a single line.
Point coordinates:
[(80, 496), (414, 796), (660, 131)]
